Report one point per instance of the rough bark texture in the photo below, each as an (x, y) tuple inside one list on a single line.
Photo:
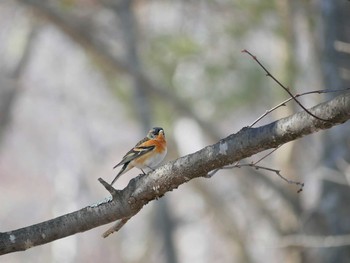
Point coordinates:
[(143, 189)]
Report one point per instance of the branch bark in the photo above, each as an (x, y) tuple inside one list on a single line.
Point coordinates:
[(141, 190)]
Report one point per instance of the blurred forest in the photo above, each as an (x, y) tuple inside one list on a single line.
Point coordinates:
[(81, 81)]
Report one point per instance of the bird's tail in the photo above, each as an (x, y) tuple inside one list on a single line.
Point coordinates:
[(123, 170)]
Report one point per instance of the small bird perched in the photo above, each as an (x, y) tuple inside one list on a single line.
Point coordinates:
[(147, 153)]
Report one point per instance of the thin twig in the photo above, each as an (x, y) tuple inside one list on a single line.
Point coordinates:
[(281, 85), (116, 227), (212, 173), (308, 241), (278, 172), (283, 103), (269, 153)]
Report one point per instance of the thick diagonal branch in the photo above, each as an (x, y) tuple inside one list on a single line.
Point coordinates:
[(141, 190)]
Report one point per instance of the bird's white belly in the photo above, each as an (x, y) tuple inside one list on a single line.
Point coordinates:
[(151, 162)]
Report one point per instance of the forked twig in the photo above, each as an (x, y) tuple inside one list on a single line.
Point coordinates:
[(292, 97), (282, 86), (257, 167), (278, 172), (283, 103)]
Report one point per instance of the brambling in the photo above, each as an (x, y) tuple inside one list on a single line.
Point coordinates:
[(147, 153)]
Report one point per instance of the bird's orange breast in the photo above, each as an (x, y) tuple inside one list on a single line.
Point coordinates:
[(156, 155)]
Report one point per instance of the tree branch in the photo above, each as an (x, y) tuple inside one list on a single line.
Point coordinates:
[(143, 189), (286, 89), (309, 241)]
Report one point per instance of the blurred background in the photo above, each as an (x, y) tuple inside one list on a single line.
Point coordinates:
[(81, 81)]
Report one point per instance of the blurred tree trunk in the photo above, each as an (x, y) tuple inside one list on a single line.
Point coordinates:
[(331, 216), (142, 104), (10, 85), (124, 11)]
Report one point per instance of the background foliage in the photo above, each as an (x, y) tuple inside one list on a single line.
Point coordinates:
[(82, 80)]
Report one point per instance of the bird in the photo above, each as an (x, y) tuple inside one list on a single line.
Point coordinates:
[(147, 153)]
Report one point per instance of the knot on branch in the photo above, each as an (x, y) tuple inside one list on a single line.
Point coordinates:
[(116, 194)]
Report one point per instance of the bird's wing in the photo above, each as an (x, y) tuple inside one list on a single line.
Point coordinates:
[(141, 148)]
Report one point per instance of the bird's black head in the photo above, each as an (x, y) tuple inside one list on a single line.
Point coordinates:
[(155, 132)]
